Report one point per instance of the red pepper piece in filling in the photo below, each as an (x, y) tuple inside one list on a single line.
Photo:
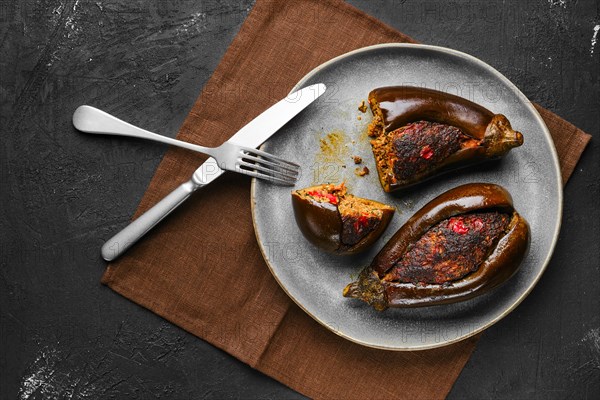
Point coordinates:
[(357, 227), (361, 223), (458, 226), (332, 199), (426, 152)]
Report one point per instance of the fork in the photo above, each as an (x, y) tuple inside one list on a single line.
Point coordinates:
[(229, 156)]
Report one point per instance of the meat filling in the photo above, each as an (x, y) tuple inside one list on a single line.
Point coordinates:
[(417, 147), (324, 193), (359, 218), (451, 249)]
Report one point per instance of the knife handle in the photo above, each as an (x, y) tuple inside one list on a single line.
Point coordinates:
[(123, 240)]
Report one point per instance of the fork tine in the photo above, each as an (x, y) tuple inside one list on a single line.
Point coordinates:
[(268, 156), (259, 175), (274, 173), (252, 158)]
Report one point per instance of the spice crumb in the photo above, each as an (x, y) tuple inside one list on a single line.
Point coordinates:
[(359, 118), (357, 159), (361, 171), (363, 107)]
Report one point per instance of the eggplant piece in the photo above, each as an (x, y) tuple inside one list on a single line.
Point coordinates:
[(338, 222), (419, 133), (463, 243)]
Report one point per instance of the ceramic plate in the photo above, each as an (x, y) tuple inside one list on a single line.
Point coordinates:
[(322, 140)]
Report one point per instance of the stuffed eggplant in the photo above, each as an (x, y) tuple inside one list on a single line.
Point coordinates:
[(461, 244), (337, 221), (419, 133)]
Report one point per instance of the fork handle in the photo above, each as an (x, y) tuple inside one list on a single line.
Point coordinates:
[(123, 240), (92, 120)]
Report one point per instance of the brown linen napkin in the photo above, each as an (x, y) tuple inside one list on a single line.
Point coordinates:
[(202, 269)]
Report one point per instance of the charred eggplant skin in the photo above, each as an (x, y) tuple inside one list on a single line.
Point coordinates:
[(321, 224), (401, 105), (500, 266)]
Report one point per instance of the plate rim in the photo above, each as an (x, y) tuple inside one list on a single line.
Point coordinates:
[(555, 164)]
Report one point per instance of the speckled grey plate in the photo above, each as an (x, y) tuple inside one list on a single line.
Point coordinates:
[(314, 280)]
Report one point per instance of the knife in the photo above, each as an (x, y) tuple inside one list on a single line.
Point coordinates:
[(251, 135)]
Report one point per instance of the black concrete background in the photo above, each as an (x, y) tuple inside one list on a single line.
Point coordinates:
[(63, 335)]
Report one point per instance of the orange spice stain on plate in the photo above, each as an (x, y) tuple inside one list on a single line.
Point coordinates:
[(332, 158), (334, 148), (333, 162)]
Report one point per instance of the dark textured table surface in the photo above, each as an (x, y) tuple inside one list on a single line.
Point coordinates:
[(63, 335)]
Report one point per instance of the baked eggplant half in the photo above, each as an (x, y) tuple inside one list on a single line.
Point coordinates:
[(419, 133), (461, 244), (337, 221)]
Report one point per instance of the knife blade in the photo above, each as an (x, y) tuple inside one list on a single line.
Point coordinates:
[(252, 134)]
